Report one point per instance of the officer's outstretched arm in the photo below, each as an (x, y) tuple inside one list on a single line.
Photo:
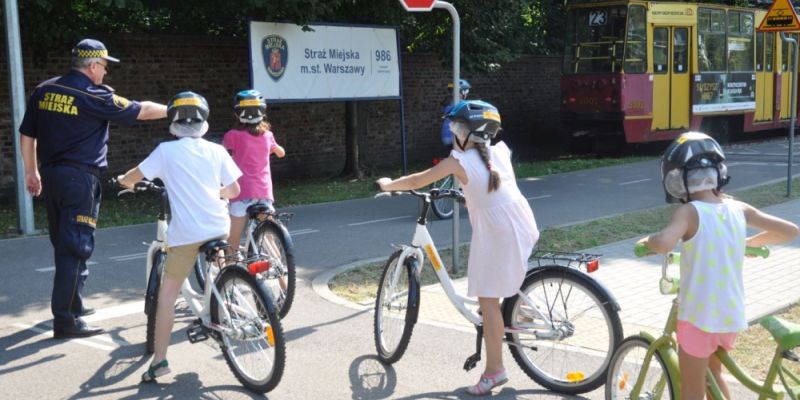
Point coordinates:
[(151, 110)]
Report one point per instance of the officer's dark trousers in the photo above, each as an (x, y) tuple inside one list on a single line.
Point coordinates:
[(72, 196)]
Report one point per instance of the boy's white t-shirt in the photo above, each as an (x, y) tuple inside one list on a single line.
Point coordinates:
[(193, 171)]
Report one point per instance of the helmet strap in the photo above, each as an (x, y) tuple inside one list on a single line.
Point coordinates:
[(686, 186), (461, 145)]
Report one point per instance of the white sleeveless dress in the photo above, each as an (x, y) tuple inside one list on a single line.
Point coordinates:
[(503, 227)]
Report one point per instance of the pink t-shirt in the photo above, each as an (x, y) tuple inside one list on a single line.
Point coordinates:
[(251, 154)]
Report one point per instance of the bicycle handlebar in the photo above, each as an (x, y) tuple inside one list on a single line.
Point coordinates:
[(433, 194), (641, 250), (141, 186)]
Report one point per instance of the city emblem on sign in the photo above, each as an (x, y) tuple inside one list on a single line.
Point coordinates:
[(276, 55)]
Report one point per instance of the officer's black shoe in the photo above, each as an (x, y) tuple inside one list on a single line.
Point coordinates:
[(79, 330), (87, 311)]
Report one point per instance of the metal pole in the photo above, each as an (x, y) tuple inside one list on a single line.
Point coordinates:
[(456, 98), (793, 114), (16, 84)]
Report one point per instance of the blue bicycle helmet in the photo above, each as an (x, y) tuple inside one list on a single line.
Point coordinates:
[(463, 88), (249, 106), (474, 120)]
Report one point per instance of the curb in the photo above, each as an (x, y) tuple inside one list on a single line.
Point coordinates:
[(320, 284)]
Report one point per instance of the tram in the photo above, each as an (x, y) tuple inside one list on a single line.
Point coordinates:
[(649, 70)]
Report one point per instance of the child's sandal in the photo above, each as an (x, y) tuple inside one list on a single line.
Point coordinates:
[(156, 370), (487, 383)]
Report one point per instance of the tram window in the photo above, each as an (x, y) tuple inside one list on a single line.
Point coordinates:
[(711, 40), (740, 41), (769, 51), (787, 59), (760, 51), (636, 40), (660, 50), (595, 40), (680, 50)]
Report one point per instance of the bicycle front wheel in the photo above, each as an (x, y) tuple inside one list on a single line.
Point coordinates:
[(443, 208), (393, 327), (564, 331), (627, 366), (252, 337), (281, 277), (151, 298)]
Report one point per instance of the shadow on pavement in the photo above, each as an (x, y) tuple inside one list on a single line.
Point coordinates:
[(370, 379), (11, 351)]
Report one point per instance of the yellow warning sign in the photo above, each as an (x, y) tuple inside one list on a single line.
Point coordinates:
[(780, 17)]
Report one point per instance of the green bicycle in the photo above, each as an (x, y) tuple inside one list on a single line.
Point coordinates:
[(633, 374)]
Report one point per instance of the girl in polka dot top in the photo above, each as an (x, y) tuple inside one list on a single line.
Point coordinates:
[(713, 231)]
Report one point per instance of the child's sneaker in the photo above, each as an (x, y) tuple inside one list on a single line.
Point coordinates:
[(487, 383), (156, 370)]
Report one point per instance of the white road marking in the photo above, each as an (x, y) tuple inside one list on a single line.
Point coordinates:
[(53, 268), (116, 311), (303, 232), (544, 196), (378, 220), (636, 181), (128, 256), (85, 342)]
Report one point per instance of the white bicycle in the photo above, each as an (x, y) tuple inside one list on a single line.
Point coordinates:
[(562, 326), (235, 308)]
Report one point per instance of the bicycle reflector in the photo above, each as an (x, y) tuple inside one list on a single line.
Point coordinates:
[(576, 376), (258, 267), (593, 265)]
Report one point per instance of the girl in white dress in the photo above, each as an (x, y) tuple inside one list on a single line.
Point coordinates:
[(503, 227)]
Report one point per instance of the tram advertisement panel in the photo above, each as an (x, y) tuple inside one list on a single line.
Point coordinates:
[(723, 92)]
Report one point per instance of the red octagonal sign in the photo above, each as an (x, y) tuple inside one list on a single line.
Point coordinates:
[(418, 5)]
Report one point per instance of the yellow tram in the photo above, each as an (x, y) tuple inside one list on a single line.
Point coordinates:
[(649, 70)]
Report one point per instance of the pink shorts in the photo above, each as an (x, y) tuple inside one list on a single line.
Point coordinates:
[(701, 344)]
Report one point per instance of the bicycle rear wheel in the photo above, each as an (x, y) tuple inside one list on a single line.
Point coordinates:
[(394, 304), (151, 298), (281, 277), (626, 367), (252, 340), (570, 355), (443, 208)]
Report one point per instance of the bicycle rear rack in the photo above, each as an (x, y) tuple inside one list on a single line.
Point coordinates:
[(581, 261)]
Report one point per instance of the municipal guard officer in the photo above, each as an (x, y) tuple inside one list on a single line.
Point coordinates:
[(65, 128)]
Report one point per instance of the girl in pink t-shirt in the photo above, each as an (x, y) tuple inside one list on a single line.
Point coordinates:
[(250, 144)]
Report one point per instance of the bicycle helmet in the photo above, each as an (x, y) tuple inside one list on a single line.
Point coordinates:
[(187, 113), (474, 120), (693, 162), (249, 106), (463, 88)]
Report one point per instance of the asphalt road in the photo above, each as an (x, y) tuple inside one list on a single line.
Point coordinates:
[(330, 350)]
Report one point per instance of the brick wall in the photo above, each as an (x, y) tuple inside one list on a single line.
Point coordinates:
[(156, 67)]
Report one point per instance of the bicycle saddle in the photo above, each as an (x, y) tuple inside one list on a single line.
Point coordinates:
[(259, 208), (786, 333), (213, 246)]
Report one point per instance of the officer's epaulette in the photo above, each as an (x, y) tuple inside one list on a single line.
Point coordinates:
[(49, 81)]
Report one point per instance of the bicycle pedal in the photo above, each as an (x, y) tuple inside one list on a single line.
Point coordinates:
[(472, 361), (197, 333)]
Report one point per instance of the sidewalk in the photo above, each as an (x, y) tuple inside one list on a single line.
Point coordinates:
[(770, 284)]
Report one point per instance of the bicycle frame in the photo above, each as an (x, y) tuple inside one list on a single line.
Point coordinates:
[(666, 346), (422, 240)]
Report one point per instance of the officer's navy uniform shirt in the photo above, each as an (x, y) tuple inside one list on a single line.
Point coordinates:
[(71, 119)]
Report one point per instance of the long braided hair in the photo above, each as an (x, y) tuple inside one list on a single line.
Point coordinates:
[(494, 176)]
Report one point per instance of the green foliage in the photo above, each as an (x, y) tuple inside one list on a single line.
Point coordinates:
[(490, 35)]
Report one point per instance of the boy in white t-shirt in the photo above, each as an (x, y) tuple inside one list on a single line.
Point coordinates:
[(198, 176)]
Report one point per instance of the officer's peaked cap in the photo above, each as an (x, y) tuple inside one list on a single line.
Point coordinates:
[(91, 48)]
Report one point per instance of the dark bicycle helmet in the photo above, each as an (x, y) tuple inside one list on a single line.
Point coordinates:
[(249, 106), (687, 155), (475, 120), (463, 88), (187, 108)]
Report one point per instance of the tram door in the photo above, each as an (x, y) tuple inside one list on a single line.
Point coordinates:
[(787, 66), (671, 78), (765, 76)]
